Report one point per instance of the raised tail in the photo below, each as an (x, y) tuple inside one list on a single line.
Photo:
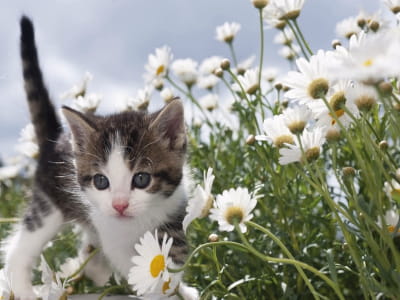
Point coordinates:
[(43, 115)]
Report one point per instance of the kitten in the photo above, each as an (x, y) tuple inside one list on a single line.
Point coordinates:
[(118, 176)]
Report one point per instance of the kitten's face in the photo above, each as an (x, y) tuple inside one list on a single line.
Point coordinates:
[(129, 163)]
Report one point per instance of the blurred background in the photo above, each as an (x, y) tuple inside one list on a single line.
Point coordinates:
[(113, 38)]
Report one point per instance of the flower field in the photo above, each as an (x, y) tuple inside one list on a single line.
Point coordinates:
[(296, 174)]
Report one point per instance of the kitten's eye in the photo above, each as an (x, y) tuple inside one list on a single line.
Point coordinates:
[(100, 182), (141, 180)]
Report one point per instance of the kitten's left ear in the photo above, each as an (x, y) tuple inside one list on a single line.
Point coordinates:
[(170, 123)]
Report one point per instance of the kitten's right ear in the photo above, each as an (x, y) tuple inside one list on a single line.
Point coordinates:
[(81, 126)]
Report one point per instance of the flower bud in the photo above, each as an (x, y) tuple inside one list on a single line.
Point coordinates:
[(348, 172), (278, 86), (333, 135), (225, 64), (250, 139), (385, 88), (219, 72), (336, 43), (374, 26), (259, 3), (383, 145), (213, 238)]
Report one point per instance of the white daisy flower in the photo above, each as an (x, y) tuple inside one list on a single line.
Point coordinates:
[(209, 101), (158, 63), (227, 31), (392, 189), (168, 94), (284, 37), (289, 53), (271, 16), (69, 267), (151, 263), (270, 74), (244, 65), (201, 202), (207, 82), (312, 81), (140, 102), (309, 150), (185, 70), (366, 60), (9, 172), (286, 9), (391, 221), (338, 101), (52, 287), (249, 82), (364, 97), (210, 64), (394, 5), (234, 205), (296, 118), (347, 27), (27, 142), (5, 286), (87, 103), (276, 132), (372, 22), (78, 89)]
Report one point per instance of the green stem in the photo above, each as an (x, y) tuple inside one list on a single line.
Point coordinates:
[(230, 44), (93, 253), (108, 291), (296, 25), (298, 39), (261, 62)]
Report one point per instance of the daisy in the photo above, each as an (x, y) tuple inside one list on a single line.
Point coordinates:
[(244, 65), (78, 89), (9, 172), (309, 149), (338, 102), (284, 37), (150, 265), (87, 103), (207, 82), (27, 142), (168, 94), (276, 132), (5, 286), (363, 96), (366, 60), (227, 32), (372, 22), (248, 81), (394, 5), (312, 81), (289, 53), (69, 267), (141, 101), (201, 202), (209, 101), (347, 27), (286, 9), (272, 17), (52, 287), (391, 221), (296, 118), (185, 70), (270, 74), (210, 64), (158, 63), (234, 205), (392, 189)]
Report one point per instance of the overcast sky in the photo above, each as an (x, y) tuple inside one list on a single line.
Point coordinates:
[(112, 39)]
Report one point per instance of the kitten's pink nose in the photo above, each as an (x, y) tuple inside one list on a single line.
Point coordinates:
[(120, 206)]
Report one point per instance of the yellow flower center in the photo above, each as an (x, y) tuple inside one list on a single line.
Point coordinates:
[(365, 103), (281, 140), (318, 88), (157, 265), (296, 127), (392, 228), (160, 69), (311, 154), (234, 213), (368, 63), (165, 286), (338, 113)]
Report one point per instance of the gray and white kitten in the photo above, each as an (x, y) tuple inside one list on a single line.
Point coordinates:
[(118, 176)]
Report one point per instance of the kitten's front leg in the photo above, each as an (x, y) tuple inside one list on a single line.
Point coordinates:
[(24, 246)]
